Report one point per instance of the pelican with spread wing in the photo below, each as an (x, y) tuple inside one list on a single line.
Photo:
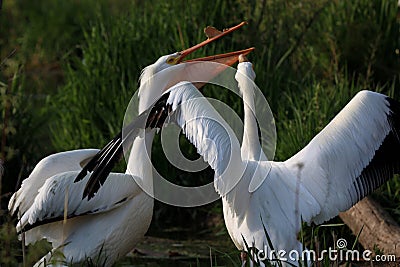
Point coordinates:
[(353, 155)]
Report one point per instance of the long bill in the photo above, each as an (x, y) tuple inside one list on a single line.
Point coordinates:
[(195, 70), (199, 71), (217, 34)]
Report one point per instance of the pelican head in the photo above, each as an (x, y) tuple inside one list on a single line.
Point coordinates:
[(171, 69)]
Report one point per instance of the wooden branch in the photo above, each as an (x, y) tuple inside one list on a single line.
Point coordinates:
[(380, 230)]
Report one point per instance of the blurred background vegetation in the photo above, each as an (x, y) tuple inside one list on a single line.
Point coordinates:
[(69, 68)]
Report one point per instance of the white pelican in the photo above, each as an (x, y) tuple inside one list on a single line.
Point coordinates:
[(110, 224), (49, 195), (353, 155), (101, 165)]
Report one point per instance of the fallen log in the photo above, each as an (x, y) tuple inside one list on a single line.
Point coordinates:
[(380, 230)]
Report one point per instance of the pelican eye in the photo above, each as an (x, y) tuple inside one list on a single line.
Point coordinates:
[(172, 60)]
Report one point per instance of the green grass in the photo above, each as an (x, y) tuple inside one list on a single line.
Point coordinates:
[(69, 68)]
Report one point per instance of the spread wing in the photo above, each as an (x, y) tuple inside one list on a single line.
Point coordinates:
[(353, 155), (60, 198), (51, 165), (184, 105)]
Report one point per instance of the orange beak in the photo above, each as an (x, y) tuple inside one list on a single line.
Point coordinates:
[(195, 71), (227, 58), (199, 72), (216, 35)]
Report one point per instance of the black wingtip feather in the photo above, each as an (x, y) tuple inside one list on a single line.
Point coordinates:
[(386, 161), (110, 155), (100, 174), (104, 161), (91, 165), (96, 162)]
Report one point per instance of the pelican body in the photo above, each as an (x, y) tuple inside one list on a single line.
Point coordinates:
[(109, 224), (353, 155)]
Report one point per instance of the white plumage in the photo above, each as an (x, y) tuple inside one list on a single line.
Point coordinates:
[(111, 223), (107, 226), (47, 167), (341, 151), (354, 154), (88, 233)]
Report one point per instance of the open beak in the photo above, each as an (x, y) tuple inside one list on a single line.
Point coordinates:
[(196, 70), (228, 58), (213, 35), (201, 70)]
